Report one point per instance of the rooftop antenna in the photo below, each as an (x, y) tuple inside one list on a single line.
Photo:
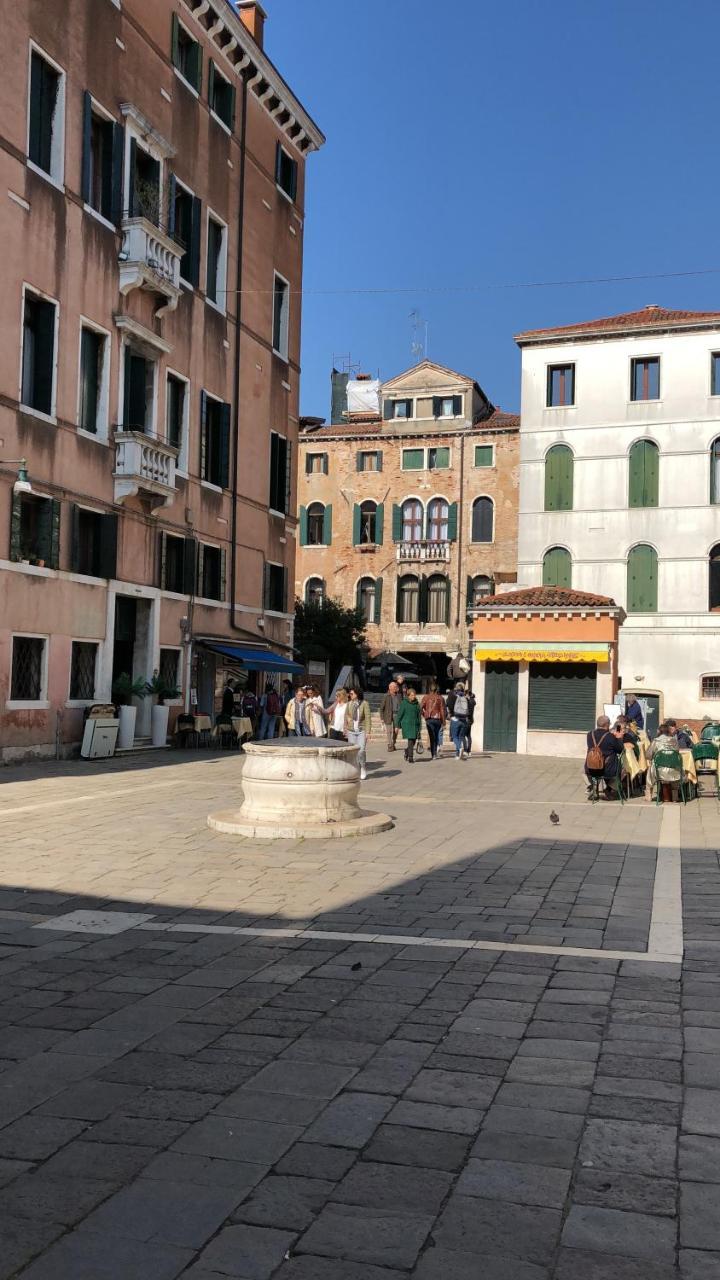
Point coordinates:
[(345, 364), (418, 345)]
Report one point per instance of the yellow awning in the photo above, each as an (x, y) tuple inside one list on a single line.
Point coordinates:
[(499, 654)]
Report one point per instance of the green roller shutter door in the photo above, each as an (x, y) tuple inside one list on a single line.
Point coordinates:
[(644, 469), (557, 568), (562, 696), (642, 576), (559, 478)]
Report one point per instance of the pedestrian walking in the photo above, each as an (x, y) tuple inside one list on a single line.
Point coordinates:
[(270, 709), (295, 717), (471, 716), (458, 707), (408, 721), (336, 716), (388, 710), (357, 726), (434, 714), (315, 712)]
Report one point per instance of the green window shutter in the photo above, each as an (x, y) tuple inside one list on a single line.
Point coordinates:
[(377, 614), (559, 478), (118, 153), (566, 479), (133, 206), (200, 568), (413, 459), (86, 147), (715, 471), (437, 406), (197, 66), (203, 434), (551, 481), (175, 40), (231, 116), (74, 537), (303, 527), (53, 562), (561, 695), (107, 556), (195, 233), (325, 465), (172, 191), (388, 410), (288, 475), (483, 455), (327, 525), (397, 523), (278, 162), (642, 580), (162, 558), (557, 568), (378, 460), (457, 406), (190, 566), (423, 600), (223, 572), (452, 521), (211, 84), (15, 517), (398, 601), (442, 456), (652, 474), (447, 602), (358, 593), (643, 474), (379, 522), (469, 592), (356, 525), (358, 461)]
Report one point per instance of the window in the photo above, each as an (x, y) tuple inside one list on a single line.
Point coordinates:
[(561, 695), (447, 406), (413, 459), (286, 171), (175, 398), (216, 262), (279, 473), (408, 599), (184, 222), (398, 409), (316, 464), (642, 576), (101, 162), (144, 184), (438, 458), (281, 306), (412, 520), (366, 598), (559, 478), (715, 471), (714, 579), (714, 380), (46, 116), (275, 594), (710, 687), (35, 530), (29, 676), (478, 587), (438, 599), (437, 520), (645, 379), (169, 668), (482, 520), (83, 663), (178, 561), (315, 591), (93, 548), (38, 354), (483, 455), (139, 392), (365, 518), (93, 406), (186, 54), (214, 441), (557, 568), (221, 97), (643, 474), (560, 385), (315, 524), (369, 460), (211, 572)]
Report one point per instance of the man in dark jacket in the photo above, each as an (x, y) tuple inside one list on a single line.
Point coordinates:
[(633, 711), (610, 743), (388, 710)]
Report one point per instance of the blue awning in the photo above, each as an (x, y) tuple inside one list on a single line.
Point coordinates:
[(254, 659)]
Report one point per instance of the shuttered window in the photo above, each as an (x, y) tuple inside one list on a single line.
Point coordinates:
[(644, 471), (38, 353), (286, 172), (221, 97), (557, 568), (46, 123), (715, 471), (714, 578), (279, 473), (642, 578), (214, 441), (483, 455), (559, 478), (185, 225), (186, 54), (413, 459), (562, 695), (482, 520)]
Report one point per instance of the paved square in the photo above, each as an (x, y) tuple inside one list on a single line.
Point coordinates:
[(466, 1041)]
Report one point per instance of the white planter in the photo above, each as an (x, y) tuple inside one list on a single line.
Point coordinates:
[(159, 721), (126, 732)]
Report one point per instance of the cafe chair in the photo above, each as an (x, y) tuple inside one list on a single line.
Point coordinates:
[(707, 751), (669, 760), (226, 733), (185, 733)]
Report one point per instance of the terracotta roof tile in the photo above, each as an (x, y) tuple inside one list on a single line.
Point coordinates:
[(546, 598), (647, 318), (371, 425), (498, 419)]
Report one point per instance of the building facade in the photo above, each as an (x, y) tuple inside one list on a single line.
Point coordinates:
[(620, 489), (408, 508), (153, 171)]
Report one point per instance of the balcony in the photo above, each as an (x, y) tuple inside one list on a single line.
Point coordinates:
[(144, 465), (150, 259), (426, 551)]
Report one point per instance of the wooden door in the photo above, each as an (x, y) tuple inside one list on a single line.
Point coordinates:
[(501, 704)]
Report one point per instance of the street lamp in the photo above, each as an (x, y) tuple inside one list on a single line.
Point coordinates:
[(22, 484)]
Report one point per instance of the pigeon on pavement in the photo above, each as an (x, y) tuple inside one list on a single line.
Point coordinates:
[(554, 818)]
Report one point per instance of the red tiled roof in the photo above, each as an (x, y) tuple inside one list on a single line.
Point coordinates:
[(498, 419), (371, 425), (357, 427), (647, 318), (546, 598)]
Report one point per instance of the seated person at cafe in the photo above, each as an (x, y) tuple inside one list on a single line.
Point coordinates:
[(664, 776), (684, 737), (633, 711), (609, 743), (627, 729)]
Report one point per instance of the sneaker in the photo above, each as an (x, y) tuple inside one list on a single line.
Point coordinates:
[(363, 775), (462, 754)]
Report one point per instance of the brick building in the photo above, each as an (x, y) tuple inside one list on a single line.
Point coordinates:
[(408, 507), (153, 171)]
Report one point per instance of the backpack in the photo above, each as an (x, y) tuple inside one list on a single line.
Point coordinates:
[(461, 707), (249, 705), (595, 760), (273, 705)]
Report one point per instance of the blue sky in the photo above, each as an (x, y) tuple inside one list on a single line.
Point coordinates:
[(473, 145)]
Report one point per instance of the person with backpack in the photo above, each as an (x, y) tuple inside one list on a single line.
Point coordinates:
[(459, 707), (605, 747), (270, 709), (434, 715)]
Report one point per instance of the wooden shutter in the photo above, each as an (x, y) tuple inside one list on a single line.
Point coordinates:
[(52, 558), (437, 406), (447, 602), (211, 84), (278, 162), (557, 568), (190, 566), (35, 140), (388, 411), (74, 538), (423, 599), (200, 587), (231, 117), (15, 523), (642, 580), (273, 497), (397, 523), (327, 525), (118, 153), (308, 464), (288, 475), (203, 434), (715, 471), (162, 560), (377, 611), (469, 592), (457, 406), (175, 40), (303, 527), (379, 523), (225, 446), (378, 460), (86, 147), (357, 516), (195, 234), (482, 520), (358, 593), (197, 66), (562, 695), (359, 461), (45, 355), (452, 521), (266, 586), (651, 483), (398, 600), (559, 478), (107, 558), (325, 465), (636, 474), (172, 191), (223, 572), (133, 204)]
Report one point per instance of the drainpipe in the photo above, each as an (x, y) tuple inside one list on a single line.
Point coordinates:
[(236, 374), (461, 513)]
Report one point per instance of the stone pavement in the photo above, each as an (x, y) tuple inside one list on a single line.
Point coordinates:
[(441, 1051)]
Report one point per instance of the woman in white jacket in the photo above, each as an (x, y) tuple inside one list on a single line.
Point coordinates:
[(315, 713)]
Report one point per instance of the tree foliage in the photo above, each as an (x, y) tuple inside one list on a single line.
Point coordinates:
[(328, 632)]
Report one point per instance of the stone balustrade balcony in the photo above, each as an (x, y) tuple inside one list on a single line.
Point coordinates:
[(144, 465), (424, 551), (150, 259)]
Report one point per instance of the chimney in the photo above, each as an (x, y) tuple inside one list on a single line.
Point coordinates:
[(252, 15)]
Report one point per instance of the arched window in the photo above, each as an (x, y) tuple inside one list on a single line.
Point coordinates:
[(366, 598), (642, 578), (559, 478), (714, 578), (437, 520), (408, 598), (438, 598), (477, 588), (368, 522), (557, 568), (643, 474), (412, 520), (315, 523), (715, 470), (482, 520), (314, 591)]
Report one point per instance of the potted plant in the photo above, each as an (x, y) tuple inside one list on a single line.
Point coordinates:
[(161, 690), (123, 691)]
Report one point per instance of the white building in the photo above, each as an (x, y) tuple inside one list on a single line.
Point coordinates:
[(620, 489)]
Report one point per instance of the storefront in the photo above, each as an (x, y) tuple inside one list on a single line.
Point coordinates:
[(544, 666), (216, 661)]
